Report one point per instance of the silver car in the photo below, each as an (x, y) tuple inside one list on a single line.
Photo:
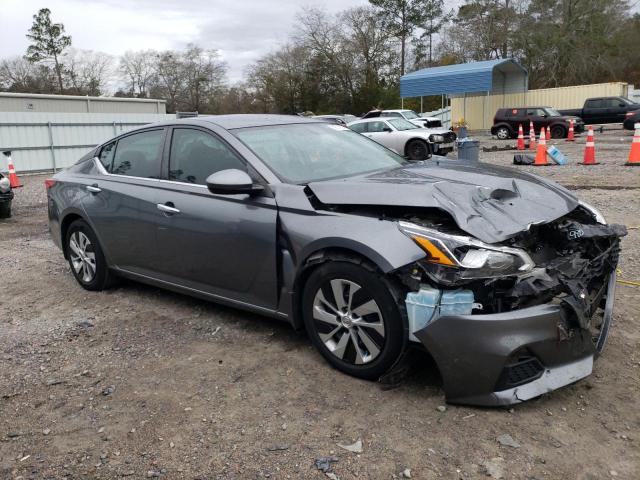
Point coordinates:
[(405, 138), (372, 255)]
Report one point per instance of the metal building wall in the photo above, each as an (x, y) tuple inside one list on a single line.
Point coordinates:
[(478, 110), (48, 141), (33, 103)]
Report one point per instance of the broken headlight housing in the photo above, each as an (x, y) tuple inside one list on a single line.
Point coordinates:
[(597, 216), (456, 257)]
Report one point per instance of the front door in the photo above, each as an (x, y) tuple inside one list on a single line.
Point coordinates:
[(223, 245)]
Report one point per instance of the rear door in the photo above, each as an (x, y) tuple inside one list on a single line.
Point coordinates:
[(119, 202), (593, 111), (223, 245)]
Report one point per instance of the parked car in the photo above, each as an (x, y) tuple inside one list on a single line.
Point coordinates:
[(337, 119), (311, 223), (418, 120), (6, 196), (506, 121), (405, 138), (631, 120), (604, 110)]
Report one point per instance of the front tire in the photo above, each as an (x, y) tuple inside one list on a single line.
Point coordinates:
[(503, 133), (353, 319), (5, 210), (86, 257), (418, 150)]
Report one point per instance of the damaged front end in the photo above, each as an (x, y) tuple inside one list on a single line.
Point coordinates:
[(511, 321)]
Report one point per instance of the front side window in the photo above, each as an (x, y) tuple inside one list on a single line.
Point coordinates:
[(196, 154), (402, 124), (376, 127), (106, 156), (552, 113), (138, 155), (303, 153)]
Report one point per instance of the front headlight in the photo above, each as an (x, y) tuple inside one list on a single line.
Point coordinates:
[(466, 258), (598, 217), (436, 138)]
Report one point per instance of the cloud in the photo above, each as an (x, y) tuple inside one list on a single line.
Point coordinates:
[(243, 30)]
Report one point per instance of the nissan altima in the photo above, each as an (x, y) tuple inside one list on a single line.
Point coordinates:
[(505, 279)]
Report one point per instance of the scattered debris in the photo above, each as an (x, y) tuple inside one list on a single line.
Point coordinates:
[(507, 440), (324, 463), (469, 416), (54, 381), (332, 476), (406, 473), (353, 448), (46, 431), (109, 390), (15, 434), (216, 331), (441, 408), (494, 467), (278, 448)]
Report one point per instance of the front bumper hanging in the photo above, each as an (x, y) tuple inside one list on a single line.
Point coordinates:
[(507, 358)]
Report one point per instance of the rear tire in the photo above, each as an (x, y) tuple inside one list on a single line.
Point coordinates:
[(418, 150), (86, 257), (353, 319), (558, 131), (5, 210)]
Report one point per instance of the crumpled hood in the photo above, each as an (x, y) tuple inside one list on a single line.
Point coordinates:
[(488, 202)]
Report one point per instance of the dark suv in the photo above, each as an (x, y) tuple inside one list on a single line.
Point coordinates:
[(506, 121)]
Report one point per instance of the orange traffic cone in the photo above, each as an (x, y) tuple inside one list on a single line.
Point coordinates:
[(548, 137), (589, 150), (570, 137), (541, 153), (520, 138), (14, 181), (634, 153), (532, 136)]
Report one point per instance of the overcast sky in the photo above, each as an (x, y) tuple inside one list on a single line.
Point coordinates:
[(243, 30)]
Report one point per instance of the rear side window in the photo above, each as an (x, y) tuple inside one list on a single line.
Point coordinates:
[(106, 156), (513, 112), (138, 155), (594, 103), (196, 154), (359, 127)]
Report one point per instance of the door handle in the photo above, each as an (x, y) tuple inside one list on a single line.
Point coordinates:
[(93, 188), (167, 208)]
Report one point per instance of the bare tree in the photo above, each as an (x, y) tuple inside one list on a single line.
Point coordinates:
[(87, 72), (138, 70)]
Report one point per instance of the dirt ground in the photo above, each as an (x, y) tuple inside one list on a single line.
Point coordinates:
[(137, 382)]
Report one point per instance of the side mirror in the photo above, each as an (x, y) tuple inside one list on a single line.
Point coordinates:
[(621, 105), (231, 182), (387, 129)]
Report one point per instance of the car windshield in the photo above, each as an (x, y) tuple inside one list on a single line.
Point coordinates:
[(627, 101), (410, 114), (552, 113), (303, 153), (402, 124)]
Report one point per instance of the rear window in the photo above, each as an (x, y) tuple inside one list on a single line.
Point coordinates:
[(138, 155)]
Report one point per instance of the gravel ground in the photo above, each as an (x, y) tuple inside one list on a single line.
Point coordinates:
[(137, 382)]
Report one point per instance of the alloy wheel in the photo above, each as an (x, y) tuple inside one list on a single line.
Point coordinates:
[(348, 321), (83, 257), (503, 134)]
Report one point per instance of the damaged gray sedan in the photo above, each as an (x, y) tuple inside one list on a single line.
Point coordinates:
[(505, 279)]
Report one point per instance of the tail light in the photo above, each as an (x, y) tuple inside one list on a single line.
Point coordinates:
[(49, 182)]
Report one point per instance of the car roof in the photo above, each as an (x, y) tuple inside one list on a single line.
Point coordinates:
[(520, 108), (230, 122), (399, 110)]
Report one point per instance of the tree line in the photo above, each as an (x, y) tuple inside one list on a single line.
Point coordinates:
[(351, 61)]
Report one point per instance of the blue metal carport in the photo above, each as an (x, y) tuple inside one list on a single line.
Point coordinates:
[(493, 77)]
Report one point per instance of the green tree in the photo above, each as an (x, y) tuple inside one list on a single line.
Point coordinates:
[(433, 18), (48, 42), (402, 17)]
